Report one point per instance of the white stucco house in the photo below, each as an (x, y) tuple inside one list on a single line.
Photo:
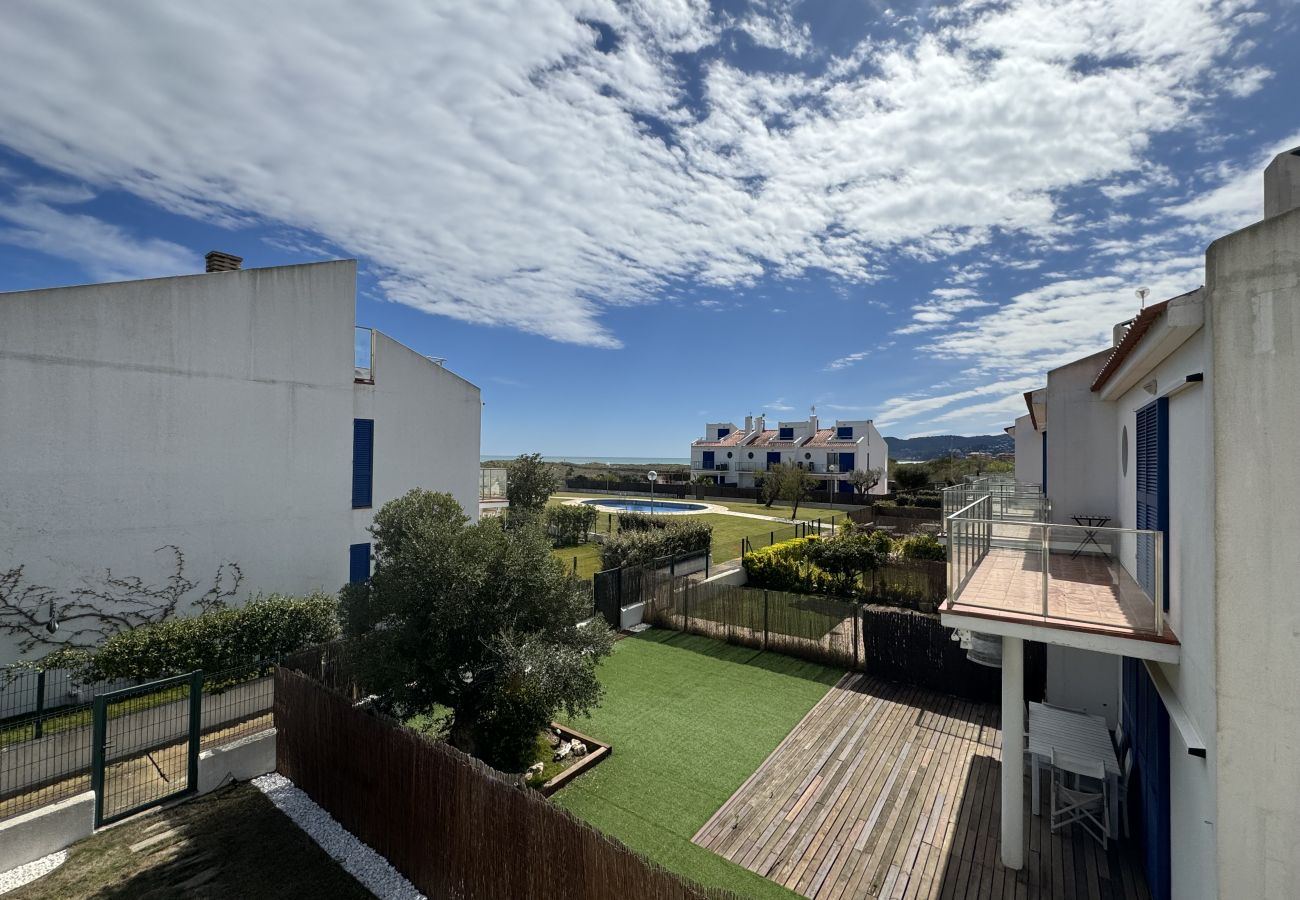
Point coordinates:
[(238, 414), (735, 456), (1179, 621)]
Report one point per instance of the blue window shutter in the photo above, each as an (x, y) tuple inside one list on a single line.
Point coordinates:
[(846, 462), (706, 459), (358, 563), (844, 432), (773, 457), (363, 463), (1151, 481), (785, 434), (723, 432)]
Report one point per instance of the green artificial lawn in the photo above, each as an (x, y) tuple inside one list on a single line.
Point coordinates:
[(689, 719)]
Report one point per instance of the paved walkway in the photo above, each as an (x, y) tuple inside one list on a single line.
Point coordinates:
[(886, 790)]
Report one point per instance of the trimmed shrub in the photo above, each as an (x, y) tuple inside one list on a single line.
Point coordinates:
[(785, 566), (264, 628), (642, 548), (922, 546), (570, 524), (633, 521)]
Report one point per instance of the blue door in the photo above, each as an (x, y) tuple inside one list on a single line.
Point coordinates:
[(707, 460), (774, 457), (1147, 722), (1152, 482)]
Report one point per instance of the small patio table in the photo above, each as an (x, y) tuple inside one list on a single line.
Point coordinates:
[(1078, 734), (1090, 536)]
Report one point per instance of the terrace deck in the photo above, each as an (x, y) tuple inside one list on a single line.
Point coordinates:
[(887, 790)]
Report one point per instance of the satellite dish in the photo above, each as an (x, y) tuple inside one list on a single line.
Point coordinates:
[(985, 649)]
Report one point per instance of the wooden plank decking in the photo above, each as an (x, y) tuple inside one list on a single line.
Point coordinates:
[(886, 790)]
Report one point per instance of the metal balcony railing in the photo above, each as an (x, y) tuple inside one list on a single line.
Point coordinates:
[(1063, 575), (1011, 499)]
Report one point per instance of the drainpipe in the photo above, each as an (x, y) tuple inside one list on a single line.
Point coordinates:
[(1013, 752)]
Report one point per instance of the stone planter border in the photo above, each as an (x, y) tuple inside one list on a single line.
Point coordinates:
[(596, 752)]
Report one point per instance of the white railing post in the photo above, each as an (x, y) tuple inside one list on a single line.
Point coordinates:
[(1160, 581), (1047, 549)]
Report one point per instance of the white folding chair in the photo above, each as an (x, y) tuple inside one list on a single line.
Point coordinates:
[(1126, 773), (1086, 802)]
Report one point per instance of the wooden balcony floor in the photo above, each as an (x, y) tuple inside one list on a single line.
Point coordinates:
[(887, 790), (1089, 590)]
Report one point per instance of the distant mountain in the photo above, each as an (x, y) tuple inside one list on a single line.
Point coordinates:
[(937, 446)]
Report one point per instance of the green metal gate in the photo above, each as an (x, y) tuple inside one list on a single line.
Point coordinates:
[(145, 745)]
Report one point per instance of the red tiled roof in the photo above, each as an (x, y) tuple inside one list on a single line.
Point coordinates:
[(1136, 331), (769, 439), (731, 440), (825, 439)]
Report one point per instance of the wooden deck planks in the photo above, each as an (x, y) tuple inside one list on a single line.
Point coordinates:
[(887, 790)]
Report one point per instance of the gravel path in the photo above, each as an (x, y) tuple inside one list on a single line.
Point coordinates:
[(362, 863), (17, 877)]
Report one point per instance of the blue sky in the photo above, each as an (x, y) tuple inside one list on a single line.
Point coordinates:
[(624, 219)]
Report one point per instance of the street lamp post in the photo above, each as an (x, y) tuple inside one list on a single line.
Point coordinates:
[(652, 476)]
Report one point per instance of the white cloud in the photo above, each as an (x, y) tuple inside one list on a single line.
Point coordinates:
[(498, 162), (1239, 199), (777, 31), (845, 361), (105, 251), (779, 405)]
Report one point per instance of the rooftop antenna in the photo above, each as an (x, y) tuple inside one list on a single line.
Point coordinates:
[(1142, 296)]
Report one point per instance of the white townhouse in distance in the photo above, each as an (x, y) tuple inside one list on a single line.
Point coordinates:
[(239, 415), (733, 456), (1162, 569)]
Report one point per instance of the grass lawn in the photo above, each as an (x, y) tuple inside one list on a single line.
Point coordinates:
[(230, 843), (689, 720)]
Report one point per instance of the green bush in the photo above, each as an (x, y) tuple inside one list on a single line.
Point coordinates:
[(631, 521), (642, 548), (786, 566), (571, 523), (922, 546), (264, 628), (928, 500)]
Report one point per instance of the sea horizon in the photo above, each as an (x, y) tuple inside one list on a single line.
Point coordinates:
[(607, 460)]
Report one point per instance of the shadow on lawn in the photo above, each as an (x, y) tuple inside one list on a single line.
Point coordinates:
[(745, 656)]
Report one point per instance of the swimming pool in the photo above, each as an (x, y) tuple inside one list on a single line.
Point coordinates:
[(644, 506)]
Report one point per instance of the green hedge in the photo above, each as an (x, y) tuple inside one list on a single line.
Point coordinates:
[(922, 546), (264, 628), (571, 523), (784, 566), (632, 521), (641, 548)]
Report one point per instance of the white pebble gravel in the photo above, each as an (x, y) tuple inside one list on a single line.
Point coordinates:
[(362, 863), (17, 877)]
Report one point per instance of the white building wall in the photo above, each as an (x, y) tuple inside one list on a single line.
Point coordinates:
[(1253, 286), (211, 411), (1081, 462), (1190, 546), (1029, 451), (426, 430)]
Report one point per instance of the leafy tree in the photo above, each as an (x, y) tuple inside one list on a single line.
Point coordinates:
[(864, 481), (911, 477), (796, 484), (530, 483), (848, 556), (476, 618)]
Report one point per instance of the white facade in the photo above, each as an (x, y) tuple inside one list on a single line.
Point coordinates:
[(1225, 360), (212, 412), (1029, 450), (738, 456)]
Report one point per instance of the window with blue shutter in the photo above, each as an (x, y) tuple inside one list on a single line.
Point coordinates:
[(844, 432), (358, 563), (774, 457), (1146, 722), (786, 434), (1152, 484), (363, 463), (723, 432), (706, 459)]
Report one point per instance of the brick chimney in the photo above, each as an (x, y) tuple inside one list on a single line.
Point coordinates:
[(222, 262)]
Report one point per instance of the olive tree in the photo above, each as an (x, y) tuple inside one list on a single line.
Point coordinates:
[(478, 619), (864, 480), (529, 483)]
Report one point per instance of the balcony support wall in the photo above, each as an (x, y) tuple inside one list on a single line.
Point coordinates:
[(1013, 753)]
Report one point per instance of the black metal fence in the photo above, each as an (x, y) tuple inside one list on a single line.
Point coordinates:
[(50, 756), (898, 644)]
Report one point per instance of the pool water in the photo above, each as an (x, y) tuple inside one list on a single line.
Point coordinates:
[(645, 506)]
